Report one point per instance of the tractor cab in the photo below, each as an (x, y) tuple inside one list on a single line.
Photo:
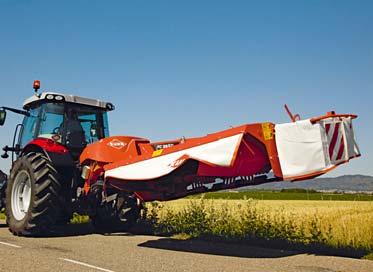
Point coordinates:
[(66, 122), (71, 121)]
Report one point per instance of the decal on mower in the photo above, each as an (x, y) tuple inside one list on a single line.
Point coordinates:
[(163, 146), (157, 153), (177, 163), (117, 144), (267, 131)]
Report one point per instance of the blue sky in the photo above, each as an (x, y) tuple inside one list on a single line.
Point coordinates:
[(187, 68)]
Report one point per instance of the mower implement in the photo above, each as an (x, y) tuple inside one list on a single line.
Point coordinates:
[(246, 155), (64, 161)]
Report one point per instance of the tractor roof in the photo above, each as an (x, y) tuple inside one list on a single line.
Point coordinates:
[(57, 97)]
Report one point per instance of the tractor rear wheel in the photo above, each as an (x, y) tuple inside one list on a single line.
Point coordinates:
[(119, 218), (32, 196)]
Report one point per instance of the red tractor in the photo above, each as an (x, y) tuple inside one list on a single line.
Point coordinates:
[(64, 162)]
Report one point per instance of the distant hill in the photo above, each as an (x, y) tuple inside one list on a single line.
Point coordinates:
[(342, 183)]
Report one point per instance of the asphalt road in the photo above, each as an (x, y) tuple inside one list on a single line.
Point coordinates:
[(81, 250)]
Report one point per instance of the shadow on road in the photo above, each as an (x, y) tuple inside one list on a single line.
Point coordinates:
[(70, 230), (249, 248), (64, 230), (216, 248)]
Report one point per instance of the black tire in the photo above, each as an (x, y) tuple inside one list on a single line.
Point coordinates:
[(121, 218), (3, 184), (44, 205)]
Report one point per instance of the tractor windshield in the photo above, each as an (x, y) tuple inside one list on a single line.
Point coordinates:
[(51, 118), (77, 125)]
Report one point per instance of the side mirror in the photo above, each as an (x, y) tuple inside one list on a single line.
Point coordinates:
[(2, 116)]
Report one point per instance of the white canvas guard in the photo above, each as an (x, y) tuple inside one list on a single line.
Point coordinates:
[(305, 148), (220, 153)]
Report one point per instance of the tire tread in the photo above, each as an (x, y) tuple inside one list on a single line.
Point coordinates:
[(45, 202)]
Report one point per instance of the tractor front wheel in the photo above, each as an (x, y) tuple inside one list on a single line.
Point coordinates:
[(32, 196)]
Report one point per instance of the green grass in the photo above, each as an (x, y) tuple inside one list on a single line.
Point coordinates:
[(336, 224), (368, 256), (285, 195), (79, 219)]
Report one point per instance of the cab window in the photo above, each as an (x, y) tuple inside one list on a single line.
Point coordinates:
[(51, 119), (29, 127)]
